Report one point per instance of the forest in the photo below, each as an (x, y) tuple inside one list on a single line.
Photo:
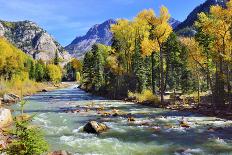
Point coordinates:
[(154, 90), (147, 57)]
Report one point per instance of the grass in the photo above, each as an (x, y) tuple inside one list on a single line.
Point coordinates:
[(145, 97), (16, 86)]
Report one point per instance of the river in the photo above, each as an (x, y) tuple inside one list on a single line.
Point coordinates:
[(155, 131)]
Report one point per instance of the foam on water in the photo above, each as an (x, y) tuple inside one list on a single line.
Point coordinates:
[(155, 131)]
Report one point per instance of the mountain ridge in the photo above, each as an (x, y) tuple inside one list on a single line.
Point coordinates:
[(193, 16), (32, 39), (99, 33)]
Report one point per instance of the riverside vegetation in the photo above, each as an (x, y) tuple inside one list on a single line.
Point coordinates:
[(147, 56), (147, 63)]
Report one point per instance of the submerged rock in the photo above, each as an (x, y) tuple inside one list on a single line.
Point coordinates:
[(5, 117), (60, 152), (95, 127), (184, 124), (131, 119)]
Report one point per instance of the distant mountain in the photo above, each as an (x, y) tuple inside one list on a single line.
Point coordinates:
[(99, 33), (32, 39), (193, 16)]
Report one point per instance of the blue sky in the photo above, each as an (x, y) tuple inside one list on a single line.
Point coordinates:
[(66, 19)]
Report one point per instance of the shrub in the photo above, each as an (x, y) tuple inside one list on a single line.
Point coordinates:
[(28, 140), (145, 96)]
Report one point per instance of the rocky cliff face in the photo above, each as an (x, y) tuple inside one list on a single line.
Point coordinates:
[(32, 39), (99, 33), (205, 7)]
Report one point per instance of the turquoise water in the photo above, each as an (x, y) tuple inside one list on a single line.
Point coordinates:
[(155, 131)]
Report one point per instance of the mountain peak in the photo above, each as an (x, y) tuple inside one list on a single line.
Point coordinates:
[(99, 33), (204, 7)]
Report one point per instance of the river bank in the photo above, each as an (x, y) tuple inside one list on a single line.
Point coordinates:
[(154, 131), (28, 88), (188, 104)]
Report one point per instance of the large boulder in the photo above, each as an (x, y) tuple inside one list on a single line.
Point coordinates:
[(95, 127), (10, 98), (60, 152), (5, 117)]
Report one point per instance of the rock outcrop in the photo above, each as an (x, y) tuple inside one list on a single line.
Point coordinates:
[(33, 40), (95, 127), (5, 117)]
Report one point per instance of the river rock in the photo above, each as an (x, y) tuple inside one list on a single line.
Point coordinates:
[(10, 98), (44, 90), (60, 152), (95, 127), (5, 117)]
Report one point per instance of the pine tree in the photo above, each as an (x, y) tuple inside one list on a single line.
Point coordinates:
[(56, 59), (98, 80), (87, 73), (139, 69), (32, 70)]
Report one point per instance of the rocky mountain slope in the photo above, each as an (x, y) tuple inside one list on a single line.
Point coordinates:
[(192, 17), (33, 40), (99, 33)]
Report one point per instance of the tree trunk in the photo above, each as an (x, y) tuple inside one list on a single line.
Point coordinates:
[(153, 72), (228, 85), (219, 97), (161, 77), (198, 89)]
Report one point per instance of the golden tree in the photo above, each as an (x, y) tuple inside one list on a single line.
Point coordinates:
[(196, 60), (218, 25), (159, 32)]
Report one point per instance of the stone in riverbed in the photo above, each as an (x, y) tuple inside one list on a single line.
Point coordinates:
[(95, 127), (60, 152), (131, 119), (10, 98)]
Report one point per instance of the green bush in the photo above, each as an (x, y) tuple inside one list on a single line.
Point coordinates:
[(28, 140)]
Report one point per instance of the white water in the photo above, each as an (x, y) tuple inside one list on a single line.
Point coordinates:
[(64, 130)]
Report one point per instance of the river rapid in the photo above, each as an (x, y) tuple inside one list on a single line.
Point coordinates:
[(155, 131)]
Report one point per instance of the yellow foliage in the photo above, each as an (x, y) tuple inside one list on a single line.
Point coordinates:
[(12, 60), (218, 25), (196, 59), (145, 96), (159, 30), (54, 73), (17, 85), (78, 76)]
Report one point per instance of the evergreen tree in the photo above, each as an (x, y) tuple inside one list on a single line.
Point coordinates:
[(32, 70), (56, 59), (138, 68), (87, 72), (98, 70)]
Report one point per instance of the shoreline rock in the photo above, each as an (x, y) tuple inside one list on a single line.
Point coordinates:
[(5, 117)]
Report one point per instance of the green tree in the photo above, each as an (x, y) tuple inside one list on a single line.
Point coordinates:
[(39, 72), (98, 70), (56, 59)]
